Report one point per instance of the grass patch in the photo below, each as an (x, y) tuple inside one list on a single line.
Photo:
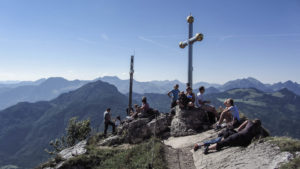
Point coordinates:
[(138, 156), (294, 164), (51, 163), (285, 143)]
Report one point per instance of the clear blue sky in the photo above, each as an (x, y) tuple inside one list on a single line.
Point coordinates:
[(85, 39)]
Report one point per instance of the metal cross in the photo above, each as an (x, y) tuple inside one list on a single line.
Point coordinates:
[(189, 42), (130, 84)]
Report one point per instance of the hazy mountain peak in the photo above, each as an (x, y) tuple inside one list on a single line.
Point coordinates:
[(111, 77)]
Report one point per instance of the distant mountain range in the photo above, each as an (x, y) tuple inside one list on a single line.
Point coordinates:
[(163, 87), (151, 86), (27, 128), (279, 111), (46, 89), (41, 90)]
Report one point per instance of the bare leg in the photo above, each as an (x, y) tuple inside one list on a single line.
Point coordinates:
[(212, 147), (225, 115), (221, 118)]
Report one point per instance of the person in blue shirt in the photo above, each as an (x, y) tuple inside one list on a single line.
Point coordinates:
[(175, 92)]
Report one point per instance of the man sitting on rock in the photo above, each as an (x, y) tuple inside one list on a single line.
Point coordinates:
[(230, 114), (203, 104), (107, 121)]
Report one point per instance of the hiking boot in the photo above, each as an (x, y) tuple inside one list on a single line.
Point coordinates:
[(196, 147), (205, 151)]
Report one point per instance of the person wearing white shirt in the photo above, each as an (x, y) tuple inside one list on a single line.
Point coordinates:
[(204, 104)]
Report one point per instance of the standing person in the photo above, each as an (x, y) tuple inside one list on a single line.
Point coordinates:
[(175, 93), (107, 121)]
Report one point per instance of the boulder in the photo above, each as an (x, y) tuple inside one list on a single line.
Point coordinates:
[(135, 131), (159, 125), (140, 129), (76, 150), (110, 141), (188, 122)]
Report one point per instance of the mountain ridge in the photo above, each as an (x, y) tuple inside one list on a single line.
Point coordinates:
[(27, 128)]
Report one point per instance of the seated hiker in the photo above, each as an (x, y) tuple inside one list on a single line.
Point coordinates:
[(182, 100), (133, 113), (118, 121), (175, 93), (246, 132), (129, 111), (107, 121), (230, 114), (203, 104), (143, 110), (136, 111), (191, 96)]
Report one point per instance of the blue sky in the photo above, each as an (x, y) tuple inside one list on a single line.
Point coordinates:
[(79, 39)]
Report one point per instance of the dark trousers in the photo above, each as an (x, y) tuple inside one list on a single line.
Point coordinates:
[(235, 139), (174, 103), (106, 123)]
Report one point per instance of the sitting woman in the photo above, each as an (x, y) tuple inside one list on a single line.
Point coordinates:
[(230, 114), (246, 132), (143, 111)]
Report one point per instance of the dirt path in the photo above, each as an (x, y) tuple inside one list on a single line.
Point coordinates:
[(179, 158)]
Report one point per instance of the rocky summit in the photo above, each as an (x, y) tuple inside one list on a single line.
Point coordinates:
[(177, 134)]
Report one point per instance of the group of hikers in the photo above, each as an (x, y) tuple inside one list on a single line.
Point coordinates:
[(139, 111), (242, 136)]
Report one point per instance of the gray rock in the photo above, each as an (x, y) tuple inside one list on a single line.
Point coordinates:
[(140, 129), (258, 155), (159, 125), (110, 141), (135, 131), (76, 150), (188, 122)]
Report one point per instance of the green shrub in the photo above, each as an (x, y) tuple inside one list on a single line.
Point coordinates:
[(75, 132)]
